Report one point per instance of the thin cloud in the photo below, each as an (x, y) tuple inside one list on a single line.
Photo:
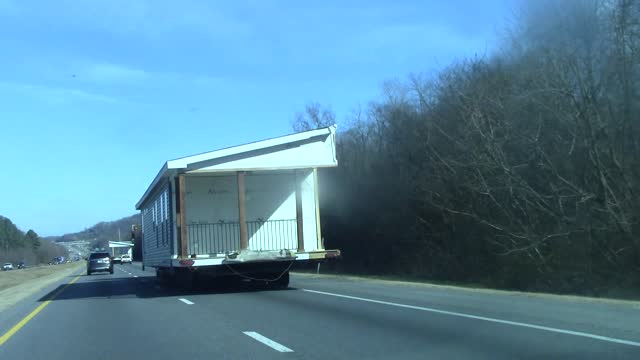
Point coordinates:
[(106, 72), (208, 81), (56, 95), (433, 37), (153, 20), (103, 73)]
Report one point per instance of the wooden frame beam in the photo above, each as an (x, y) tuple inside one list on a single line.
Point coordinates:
[(242, 214), (299, 218), (182, 215), (317, 201)]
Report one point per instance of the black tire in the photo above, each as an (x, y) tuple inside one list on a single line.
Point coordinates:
[(186, 279), (111, 271), (168, 278), (88, 273)]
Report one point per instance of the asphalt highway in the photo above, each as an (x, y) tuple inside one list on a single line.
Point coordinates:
[(130, 315)]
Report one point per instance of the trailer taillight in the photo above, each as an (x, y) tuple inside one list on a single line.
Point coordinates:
[(186, 262), (333, 255)]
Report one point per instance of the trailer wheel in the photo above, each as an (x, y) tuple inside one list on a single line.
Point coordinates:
[(164, 276), (186, 279)]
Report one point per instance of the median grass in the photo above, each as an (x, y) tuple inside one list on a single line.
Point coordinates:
[(16, 285)]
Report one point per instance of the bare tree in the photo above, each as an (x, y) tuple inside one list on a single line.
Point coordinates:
[(313, 117), (521, 170)]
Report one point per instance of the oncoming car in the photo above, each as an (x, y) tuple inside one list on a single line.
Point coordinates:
[(7, 266), (99, 261)]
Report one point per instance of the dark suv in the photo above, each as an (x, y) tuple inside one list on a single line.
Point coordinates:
[(99, 261)]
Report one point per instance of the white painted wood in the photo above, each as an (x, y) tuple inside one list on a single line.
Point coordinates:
[(316, 148), (303, 137), (309, 210), (212, 208), (304, 156), (271, 211)]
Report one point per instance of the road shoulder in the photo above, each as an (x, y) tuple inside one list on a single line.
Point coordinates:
[(465, 289), (30, 285)]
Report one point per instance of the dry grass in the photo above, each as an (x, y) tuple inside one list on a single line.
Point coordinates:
[(16, 285)]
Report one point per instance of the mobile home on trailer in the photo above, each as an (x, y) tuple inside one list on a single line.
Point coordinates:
[(250, 210)]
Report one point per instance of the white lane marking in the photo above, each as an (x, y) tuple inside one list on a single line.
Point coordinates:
[(476, 317), (270, 343), (186, 301)]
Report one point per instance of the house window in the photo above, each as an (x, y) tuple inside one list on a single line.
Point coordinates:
[(166, 204), (156, 220), (165, 199), (162, 207)]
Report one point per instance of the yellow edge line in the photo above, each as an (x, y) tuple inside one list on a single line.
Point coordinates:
[(6, 336)]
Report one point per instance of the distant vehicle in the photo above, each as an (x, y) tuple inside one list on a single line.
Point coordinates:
[(126, 259), (117, 259), (99, 261), (22, 265), (7, 266)]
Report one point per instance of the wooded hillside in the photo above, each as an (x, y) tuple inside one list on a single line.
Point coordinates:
[(518, 170), (101, 233), (17, 246)]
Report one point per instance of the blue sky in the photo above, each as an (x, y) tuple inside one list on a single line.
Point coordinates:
[(96, 95)]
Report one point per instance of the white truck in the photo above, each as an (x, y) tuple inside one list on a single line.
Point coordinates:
[(248, 211), (121, 251), (125, 259)]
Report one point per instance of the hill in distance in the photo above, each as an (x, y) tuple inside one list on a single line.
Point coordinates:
[(103, 232)]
